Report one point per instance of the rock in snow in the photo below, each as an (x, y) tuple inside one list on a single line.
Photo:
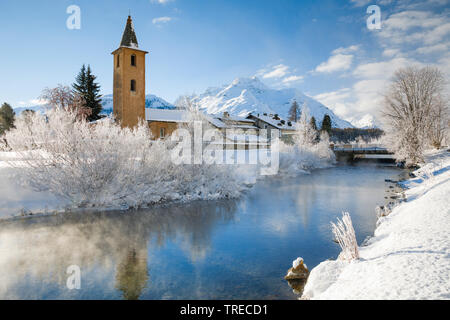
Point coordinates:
[(245, 95), (298, 270)]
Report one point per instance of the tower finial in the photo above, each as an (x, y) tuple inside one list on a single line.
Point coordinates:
[(129, 36)]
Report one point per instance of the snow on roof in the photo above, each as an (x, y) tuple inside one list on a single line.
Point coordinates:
[(274, 122), (182, 116), (177, 115), (235, 118), (215, 122), (165, 115)]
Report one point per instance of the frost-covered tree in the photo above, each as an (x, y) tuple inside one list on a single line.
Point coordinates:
[(7, 117), (62, 97), (305, 134), (413, 111), (439, 123)]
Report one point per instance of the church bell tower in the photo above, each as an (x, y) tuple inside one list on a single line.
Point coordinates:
[(129, 79)]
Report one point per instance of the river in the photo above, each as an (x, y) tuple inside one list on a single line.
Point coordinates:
[(230, 249)]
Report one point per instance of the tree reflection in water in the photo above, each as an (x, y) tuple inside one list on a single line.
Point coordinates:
[(37, 251)]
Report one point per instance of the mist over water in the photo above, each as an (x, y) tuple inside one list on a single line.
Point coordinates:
[(229, 249)]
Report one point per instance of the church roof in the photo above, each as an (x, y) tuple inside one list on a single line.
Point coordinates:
[(129, 36)]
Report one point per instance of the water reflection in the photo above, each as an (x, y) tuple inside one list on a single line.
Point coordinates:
[(205, 250), (36, 252)]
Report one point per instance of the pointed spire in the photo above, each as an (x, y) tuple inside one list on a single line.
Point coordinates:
[(129, 36)]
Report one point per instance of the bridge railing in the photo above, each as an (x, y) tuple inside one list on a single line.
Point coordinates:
[(359, 147)]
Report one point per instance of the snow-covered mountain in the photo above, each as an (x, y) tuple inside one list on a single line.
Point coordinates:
[(245, 95), (366, 122), (151, 101), (36, 108)]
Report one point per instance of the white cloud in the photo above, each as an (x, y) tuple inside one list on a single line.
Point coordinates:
[(161, 1), (382, 69), (161, 20), (337, 101), (280, 75), (391, 52), (360, 3), (277, 71), (415, 26), (434, 49), (338, 62), (346, 50), (291, 79), (329, 98)]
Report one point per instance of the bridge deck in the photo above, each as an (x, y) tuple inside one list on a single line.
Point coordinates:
[(361, 149)]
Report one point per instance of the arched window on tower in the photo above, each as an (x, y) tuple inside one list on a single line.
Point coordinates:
[(133, 85), (118, 60), (133, 60)]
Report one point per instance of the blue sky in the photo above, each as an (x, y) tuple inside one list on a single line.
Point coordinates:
[(322, 47)]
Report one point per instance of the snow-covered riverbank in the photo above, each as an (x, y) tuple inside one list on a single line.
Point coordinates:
[(409, 255)]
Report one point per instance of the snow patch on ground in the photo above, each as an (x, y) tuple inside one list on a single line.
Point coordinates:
[(409, 255)]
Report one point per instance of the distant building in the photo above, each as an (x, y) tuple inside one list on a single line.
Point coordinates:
[(273, 122), (163, 122), (129, 79)]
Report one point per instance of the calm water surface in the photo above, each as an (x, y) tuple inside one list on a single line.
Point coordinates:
[(233, 249)]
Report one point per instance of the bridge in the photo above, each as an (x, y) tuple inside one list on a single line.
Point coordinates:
[(362, 151)]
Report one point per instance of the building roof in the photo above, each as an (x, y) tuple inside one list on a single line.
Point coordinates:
[(166, 115), (235, 118), (129, 38), (277, 123), (182, 116)]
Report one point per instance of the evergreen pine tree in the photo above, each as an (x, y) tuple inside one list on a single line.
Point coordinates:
[(294, 112), (88, 89), (6, 118), (80, 82), (313, 123), (93, 98), (326, 124)]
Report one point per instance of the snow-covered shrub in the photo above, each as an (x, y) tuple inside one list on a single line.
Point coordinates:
[(306, 153), (104, 165), (345, 236)]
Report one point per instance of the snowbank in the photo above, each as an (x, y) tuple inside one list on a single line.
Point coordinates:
[(409, 255)]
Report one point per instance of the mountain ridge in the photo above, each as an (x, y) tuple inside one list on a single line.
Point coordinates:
[(247, 95)]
